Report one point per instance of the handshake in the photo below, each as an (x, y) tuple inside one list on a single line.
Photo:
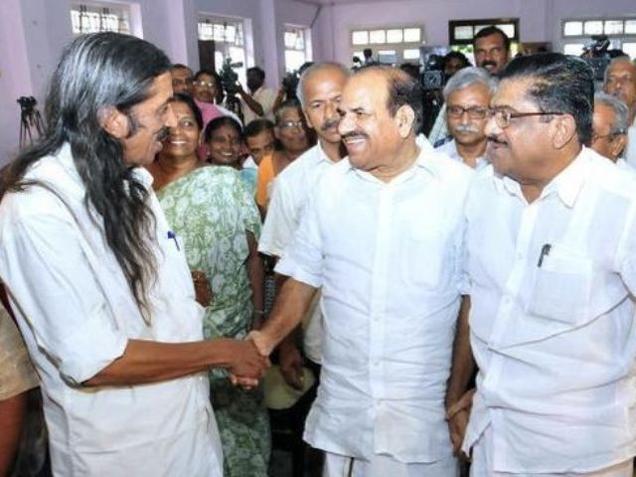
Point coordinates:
[(249, 360)]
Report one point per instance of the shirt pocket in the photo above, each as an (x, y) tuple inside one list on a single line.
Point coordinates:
[(425, 257), (562, 286)]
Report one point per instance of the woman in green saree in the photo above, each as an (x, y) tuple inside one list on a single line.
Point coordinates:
[(216, 219)]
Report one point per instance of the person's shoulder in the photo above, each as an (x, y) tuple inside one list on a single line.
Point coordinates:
[(608, 176), (299, 166), (446, 168)]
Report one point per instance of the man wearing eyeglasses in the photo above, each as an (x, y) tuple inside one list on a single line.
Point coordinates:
[(620, 81), (467, 96), (551, 273), (609, 128)]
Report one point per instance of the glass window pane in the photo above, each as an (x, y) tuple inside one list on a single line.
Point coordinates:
[(630, 49), (613, 27), (294, 59), (412, 35), (630, 27), (360, 37), (573, 29), (593, 27), (387, 57), (478, 28), (377, 37), (573, 48), (508, 29), (290, 39), (412, 54), (464, 32), (394, 36)]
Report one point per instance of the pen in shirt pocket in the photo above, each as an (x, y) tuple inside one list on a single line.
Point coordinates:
[(173, 236), (545, 251)]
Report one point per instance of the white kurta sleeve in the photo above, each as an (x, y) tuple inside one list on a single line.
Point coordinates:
[(303, 258), (57, 297), (280, 222)]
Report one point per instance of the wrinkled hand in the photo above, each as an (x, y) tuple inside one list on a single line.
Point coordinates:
[(247, 365), (457, 416), (291, 365)]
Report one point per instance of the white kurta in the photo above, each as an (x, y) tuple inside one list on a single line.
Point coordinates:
[(76, 312), (387, 256), (293, 188), (450, 149), (552, 319)]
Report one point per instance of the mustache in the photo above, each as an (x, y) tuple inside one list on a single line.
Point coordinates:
[(163, 134), (488, 63), (355, 134), (495, 140), (330, 124), (466, 128)]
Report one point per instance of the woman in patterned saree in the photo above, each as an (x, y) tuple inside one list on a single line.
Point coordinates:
[(218, 223)]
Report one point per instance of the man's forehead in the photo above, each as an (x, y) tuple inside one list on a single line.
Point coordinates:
[(476, 90), (624, 68), (512, 90), (494, 39), (365, 89), (325, 77)]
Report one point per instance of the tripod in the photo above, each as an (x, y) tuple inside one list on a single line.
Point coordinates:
[(30, 120)]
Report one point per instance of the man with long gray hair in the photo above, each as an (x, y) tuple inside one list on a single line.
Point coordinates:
[(99, 283)]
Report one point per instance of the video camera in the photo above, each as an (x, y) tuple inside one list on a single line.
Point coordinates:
[(229, 78), (596, 55), (290, 83)]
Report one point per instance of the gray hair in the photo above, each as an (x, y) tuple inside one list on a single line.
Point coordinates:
[(468, 77), (314, 69), (614, 61), (621, 112)]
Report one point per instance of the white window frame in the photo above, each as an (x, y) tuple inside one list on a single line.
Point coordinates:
[(239, 48), (114, 16), (398, 46), (303, 51), (582, 39)]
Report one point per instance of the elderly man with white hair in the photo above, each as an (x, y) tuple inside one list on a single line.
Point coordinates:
[(620, 81), (467, 96), (609, 128)]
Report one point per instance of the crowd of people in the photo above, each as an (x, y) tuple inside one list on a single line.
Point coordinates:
[(462, 296)]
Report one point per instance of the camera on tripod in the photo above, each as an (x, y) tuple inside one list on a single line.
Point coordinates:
[(229, 83)]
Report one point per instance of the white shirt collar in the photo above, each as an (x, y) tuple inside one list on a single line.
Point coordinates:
[(567, 184)]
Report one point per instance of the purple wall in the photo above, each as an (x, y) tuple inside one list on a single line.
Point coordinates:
[(33, 32)]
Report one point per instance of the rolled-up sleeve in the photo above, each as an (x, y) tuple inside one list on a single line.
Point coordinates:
[(57, 298), (303, 258)]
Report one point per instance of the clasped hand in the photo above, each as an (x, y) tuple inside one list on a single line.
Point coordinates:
[(248, 364), (246, 380)]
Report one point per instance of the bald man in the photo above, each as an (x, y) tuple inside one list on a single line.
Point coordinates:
[(390, 288)]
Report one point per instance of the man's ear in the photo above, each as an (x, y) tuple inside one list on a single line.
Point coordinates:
[(618, 144), (405, 118), (564, 130), (114, 122)]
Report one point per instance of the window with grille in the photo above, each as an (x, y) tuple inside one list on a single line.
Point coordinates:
[(229, 41), (390, 45), (577, 33), (297, 47), (462, 32), (97, 17)]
